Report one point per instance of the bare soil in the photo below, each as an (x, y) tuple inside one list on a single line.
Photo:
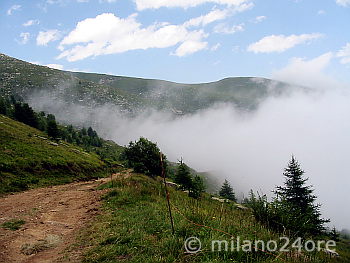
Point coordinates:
[(54, 216)]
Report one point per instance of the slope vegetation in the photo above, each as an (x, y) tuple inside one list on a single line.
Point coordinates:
[(135, 227), (28, 158)]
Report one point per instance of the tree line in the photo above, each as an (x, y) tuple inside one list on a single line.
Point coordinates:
[(17, 109)]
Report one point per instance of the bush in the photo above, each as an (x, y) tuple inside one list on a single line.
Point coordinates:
[(144, 157)]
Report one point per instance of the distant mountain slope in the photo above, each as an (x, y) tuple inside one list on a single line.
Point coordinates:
[(132, 94), (28, 157), (243, 92), (23, 78)]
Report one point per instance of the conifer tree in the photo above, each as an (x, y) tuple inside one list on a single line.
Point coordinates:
[(226, 191), (197, 187), (183, 176), (300, 201), (25, 114), (52, 129)]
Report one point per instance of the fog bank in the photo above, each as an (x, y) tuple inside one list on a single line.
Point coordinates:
[(249, 149)]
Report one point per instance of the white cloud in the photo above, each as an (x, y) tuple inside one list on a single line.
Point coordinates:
[(108, 1), (53, 2), (215, 47), (31, 22), (82, 1), (109, 34), (55, 66), (13, 8), (189, 47), (225, 29), (24, 38), (310, 73), (44, 37), (217, 14), (321, 12), (344, 3), (344, 54), (211, 17), (280, 43), (155, 4), (259, 19)]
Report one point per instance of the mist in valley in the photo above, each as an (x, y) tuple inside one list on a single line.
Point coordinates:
[(250, 149)]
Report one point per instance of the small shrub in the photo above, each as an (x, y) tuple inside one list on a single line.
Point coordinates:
[(13, 224)]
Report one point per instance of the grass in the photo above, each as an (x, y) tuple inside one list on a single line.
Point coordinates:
[(28, 159), (134, 227), (14, 224)]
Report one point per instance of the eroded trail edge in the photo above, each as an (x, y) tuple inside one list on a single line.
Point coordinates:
[(53, 216)]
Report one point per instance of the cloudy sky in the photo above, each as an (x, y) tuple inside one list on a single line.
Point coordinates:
[(183, 40)]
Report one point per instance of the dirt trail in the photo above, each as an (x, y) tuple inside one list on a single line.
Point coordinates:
[(53, 217)]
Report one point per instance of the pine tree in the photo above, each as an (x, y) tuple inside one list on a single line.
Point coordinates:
[(90, 132), (52, 129), (226, 191), (24, 113), (183, 176), (300, 201), (197, 187)]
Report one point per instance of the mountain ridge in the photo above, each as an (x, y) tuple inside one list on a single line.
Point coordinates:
[(131, 94)]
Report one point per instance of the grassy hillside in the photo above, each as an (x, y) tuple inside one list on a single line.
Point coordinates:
[(28, 158), (21, 78), (131, 94), (134, 227), (244, 92)]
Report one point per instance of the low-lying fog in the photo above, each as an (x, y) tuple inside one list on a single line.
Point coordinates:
[(251, 149)]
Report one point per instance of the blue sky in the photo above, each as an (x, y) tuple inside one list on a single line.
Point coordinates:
[(185, 40)]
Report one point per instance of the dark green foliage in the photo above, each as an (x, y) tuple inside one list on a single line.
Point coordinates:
[(295, 191), (260, 207), (3, 108), (194, 185), (298, 198), (91, 132), (25, 114), (83, 132), (197, 187), (183, 176), (52, 129), (144, 157), (226, 191), (13, 224)]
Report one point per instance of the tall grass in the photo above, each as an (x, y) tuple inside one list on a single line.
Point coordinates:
[(135, 227)]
